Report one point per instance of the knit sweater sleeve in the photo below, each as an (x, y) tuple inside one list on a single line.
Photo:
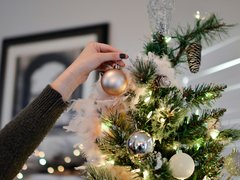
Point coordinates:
[(20, 137)]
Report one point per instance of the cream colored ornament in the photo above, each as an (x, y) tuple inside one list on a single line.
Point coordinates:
[(181, 165), (114, 82)]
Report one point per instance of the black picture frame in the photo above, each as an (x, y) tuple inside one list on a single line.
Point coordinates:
[(22, 56)]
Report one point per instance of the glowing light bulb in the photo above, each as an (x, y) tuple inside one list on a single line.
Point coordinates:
[(104, 127), (168, 39), (67, 159), (197, 112), (145, 174), (80, 146), (149, 114), (162, 120), (214, 133), (41, 154), (60, 168), (42, 162), (24, 167), (147, 99), (50, 170), (19, 175), (111, 162), (209, 95), (175, 145), (197, 15), (76, 152)]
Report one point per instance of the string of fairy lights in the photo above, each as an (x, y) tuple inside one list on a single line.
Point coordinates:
[(41, 155), (41, 158)]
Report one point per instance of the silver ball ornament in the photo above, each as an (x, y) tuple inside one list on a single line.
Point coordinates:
[(114, 82), (140, 143)]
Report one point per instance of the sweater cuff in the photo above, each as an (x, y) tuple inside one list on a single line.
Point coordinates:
[(48, 99)]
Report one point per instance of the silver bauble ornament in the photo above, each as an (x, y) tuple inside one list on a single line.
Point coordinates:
[(114, 82), (181, 165), (140, 143)]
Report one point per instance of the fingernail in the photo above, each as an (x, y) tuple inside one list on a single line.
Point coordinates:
[(123, 56), (101, 73)]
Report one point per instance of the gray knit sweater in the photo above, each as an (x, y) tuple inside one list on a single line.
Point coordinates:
[(20, 137)]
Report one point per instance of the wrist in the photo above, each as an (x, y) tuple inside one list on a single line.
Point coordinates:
[(67, 82)]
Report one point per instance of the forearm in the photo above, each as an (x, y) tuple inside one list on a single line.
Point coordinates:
[(25, 132), (68, 81)]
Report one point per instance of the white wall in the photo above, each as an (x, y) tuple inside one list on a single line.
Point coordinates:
[(129, 28), (128, 19)]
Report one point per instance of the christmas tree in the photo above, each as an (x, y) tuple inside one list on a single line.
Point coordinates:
[(142, 124)]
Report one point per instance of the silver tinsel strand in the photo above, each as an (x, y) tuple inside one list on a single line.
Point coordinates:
[(160, 14)]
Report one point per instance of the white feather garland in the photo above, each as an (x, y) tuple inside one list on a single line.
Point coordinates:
[(87, 120), (164, 67)]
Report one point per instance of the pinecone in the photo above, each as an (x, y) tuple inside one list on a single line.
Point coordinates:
[(194, 56), (161, 81)]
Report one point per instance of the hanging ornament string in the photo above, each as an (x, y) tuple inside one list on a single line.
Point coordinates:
[(160, 14)]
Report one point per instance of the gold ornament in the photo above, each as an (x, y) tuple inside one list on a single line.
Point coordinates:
[(114, 82)]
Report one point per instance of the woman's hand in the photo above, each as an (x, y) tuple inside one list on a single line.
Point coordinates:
[(94, 56)]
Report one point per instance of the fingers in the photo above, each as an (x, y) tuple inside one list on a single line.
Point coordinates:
[(120, 63), (109, 65), (104, 57), (106, 48), (104, 67)]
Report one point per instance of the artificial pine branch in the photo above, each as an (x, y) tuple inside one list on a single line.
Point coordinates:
[(164, 172), (99, 173), (143, 70), (208, 160), (195, 130), (168, 115), (207, 115), (206, 29), (113, 142), (214, 113), (203, 94), (229, 134), (163, 127), (110, 173), (158, 46), (168, 111)]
